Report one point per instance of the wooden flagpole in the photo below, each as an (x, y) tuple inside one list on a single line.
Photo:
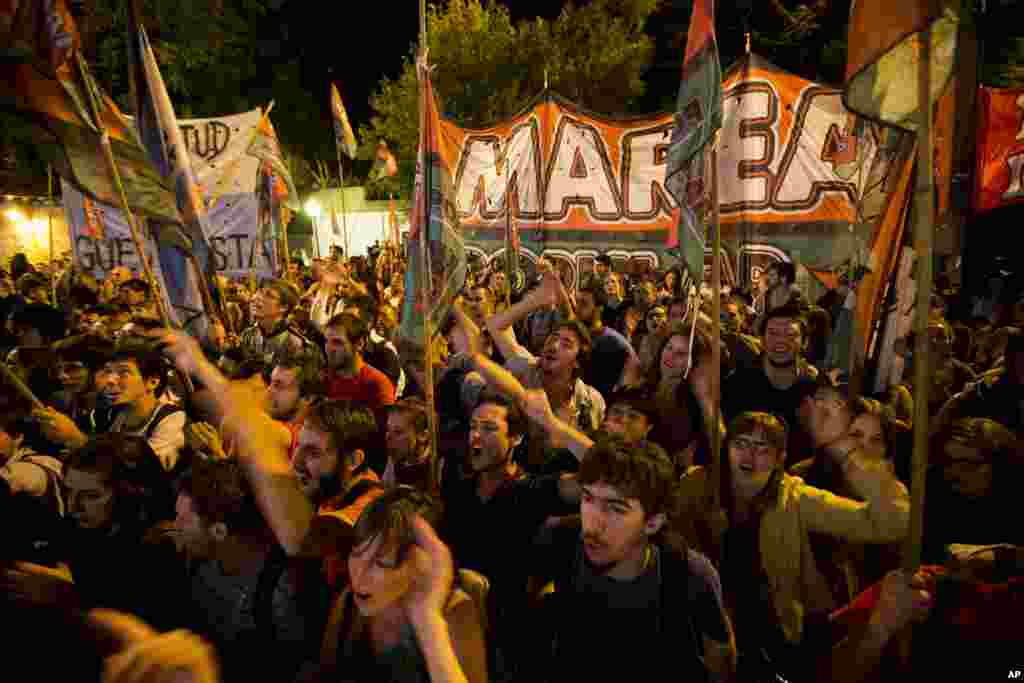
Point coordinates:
[(426, 275), (49, 222), (108, 154), (344, 208), (716, 327), (924, 231)]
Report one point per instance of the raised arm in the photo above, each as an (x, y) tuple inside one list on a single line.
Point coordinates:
[(534, 403), (550, 293), (882, 517), (262, 446)]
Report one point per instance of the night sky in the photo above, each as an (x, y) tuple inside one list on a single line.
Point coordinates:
[(357, 68)]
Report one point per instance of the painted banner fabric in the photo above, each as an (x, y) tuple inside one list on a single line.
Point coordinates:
[(999, 171), (435, 220), (101, 240), (796, 171), (235, 248), (44, 78), (698, 118), (344, 138), (885, 249), (882, 56), (242, 222)]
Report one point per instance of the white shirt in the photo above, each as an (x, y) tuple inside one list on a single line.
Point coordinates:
[(167, 439)]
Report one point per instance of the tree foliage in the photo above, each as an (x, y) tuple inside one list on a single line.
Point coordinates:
[(486, 68)]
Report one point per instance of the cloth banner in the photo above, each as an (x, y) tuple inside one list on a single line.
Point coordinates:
[(101, 240), (228, 174), (999, 171), (799, 175)]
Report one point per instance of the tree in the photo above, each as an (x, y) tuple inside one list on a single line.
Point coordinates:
[(216, 58), (486, 69)]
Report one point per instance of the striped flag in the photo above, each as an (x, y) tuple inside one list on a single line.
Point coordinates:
[(698, 116), (882, 57), (160, 134), (265, 146), (44, 78), (433, 219), (344, 138)]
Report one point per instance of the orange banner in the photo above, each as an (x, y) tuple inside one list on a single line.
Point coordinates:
[(796, 170), (999, 174)]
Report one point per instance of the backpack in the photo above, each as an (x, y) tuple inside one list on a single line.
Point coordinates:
[(559, 607)]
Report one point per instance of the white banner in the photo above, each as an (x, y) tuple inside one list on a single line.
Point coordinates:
[(227, 175), (104, 242)]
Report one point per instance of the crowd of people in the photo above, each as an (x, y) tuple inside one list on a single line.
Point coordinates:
[(269, 500)]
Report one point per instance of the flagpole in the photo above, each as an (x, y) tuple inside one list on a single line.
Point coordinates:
[(344, 208), (426, 274), (108, 155), (716, 327), (49, 220), (924, 214)]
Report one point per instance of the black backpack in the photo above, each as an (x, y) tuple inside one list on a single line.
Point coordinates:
[(675, 618)]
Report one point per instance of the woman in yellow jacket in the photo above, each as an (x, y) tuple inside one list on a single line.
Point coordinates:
[(756, 530)]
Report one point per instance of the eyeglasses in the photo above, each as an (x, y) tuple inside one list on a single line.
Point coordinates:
[(758, 447)]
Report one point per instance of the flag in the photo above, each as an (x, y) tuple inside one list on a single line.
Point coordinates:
[(384, 166), (882, 58), (44, 78), (94, 225), (698, 116), (435, 220), (265, 146), (999, 169), (344, 138), (158, 129)]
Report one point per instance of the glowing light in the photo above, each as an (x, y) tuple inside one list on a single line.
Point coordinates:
[(313, 208), (14, 216)]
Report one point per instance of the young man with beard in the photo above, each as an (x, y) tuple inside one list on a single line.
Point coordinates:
[(295, 382), (349, 376), (611, 351), (624, 582), (131, 381), (780, 381), (270, 332), (559, 369), (263, 611), (312, 499)]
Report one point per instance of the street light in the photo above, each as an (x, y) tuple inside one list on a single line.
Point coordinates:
[(312, 208)]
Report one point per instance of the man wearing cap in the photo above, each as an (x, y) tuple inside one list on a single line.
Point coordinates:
[(271, 332)]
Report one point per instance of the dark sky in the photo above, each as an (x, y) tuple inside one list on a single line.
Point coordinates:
[(357, 67)]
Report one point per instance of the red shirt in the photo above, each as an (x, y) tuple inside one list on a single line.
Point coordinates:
[(370, 386)]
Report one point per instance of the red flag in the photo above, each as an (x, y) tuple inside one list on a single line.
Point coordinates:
[(999, 171)]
